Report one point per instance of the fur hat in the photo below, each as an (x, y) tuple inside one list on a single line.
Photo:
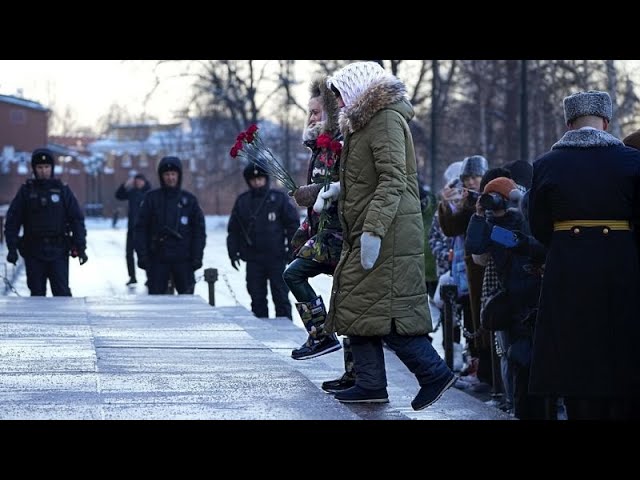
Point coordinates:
[(633, 140), (582, 104), (42, 156), (254, 171), (502, 185), (474, 166), (352, 80)]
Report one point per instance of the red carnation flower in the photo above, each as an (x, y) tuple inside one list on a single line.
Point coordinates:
[(241, 136), (336, 147), (323, 141), (249, 137), (252, 129), (233, 152)]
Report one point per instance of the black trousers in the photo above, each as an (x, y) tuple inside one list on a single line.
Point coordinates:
[(131, 266), (55, 270), (258, 273), (158, 277)]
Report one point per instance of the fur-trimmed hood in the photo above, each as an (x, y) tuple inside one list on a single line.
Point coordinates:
[(381, 94), (586, 138), (329, 124)]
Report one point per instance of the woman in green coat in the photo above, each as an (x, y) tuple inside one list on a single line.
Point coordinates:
[(379, 290)]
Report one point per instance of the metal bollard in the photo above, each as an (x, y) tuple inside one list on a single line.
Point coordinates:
[(449, 295), (211, 277)]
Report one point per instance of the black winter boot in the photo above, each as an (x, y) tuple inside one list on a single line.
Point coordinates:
[(313, 315)]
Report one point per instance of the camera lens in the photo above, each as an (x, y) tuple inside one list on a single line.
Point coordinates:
[(492, 201)]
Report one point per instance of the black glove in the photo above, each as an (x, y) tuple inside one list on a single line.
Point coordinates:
[(522, 247), (82, 257), (235, 261), (12, 257), (196, 264), (142, 263)]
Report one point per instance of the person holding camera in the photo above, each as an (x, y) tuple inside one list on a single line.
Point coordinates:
[(53, 228), (499, 229), (454, 212), (583, 204), (170, 232)]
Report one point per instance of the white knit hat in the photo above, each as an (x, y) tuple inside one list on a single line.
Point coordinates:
[(352, 80)]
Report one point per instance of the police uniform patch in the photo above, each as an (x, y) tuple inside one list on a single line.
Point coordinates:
[(271, 216), (184, 201), (184, 220), (55, 198)]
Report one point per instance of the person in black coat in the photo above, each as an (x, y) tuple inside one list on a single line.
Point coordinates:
[(518, 267), (170, 232), (584, 196), (261, 225), (133, 190), (53, 225)]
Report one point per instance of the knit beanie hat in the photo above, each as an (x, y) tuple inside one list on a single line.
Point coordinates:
[(592, 102), (352, 80), (504, 186), (633, 140), (521, 172)]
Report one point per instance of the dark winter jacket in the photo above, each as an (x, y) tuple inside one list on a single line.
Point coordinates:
[(321, 245), (517, 272), (170, 227), (261, 225), (50, 216), (134, 196), (588, 323), (454, 224)]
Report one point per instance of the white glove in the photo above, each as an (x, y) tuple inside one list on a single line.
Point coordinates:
[(325, 198), (369, 249)]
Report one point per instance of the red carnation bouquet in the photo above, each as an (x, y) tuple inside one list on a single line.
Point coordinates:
[(250, 146), (330, 156)]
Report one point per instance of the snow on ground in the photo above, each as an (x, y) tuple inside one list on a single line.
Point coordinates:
[(105, 274)]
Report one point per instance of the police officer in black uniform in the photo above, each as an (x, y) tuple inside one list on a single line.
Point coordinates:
[(260, 229), (170, 232), (53, 227)]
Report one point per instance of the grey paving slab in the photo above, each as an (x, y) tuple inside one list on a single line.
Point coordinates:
[(173, 338), (47, 354), (157, 360), (187, 361), (175, 357)]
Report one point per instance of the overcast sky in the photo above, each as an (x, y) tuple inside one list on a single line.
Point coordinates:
[(90, 87)]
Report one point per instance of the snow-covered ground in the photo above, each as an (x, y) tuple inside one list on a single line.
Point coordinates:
[(105, 274)]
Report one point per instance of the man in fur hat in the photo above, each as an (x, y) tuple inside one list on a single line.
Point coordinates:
[(379, 292), (584, 196)]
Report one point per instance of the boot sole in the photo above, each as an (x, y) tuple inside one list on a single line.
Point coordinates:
[(336, 389), (446, 387), (371, 400), (317, 354)]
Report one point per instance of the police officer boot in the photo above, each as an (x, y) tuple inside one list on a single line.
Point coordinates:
[(313, 315)]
